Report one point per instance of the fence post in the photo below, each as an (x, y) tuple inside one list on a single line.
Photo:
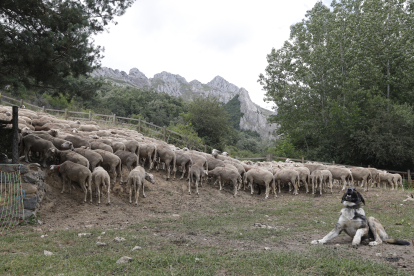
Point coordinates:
[(139, 124), (66, 113), (333, 162), (268, 158), (369, 166), (409, 178), (165, 134), (205, 148), (43, 108), (21, 102), (303, 159), (90, 115), (0, 98), (15, 142), (114, 120)]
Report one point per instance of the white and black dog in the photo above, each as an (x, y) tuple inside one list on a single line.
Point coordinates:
[(352, 221)]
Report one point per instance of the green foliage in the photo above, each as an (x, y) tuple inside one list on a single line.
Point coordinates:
[(188, 131), (151, 106), (233, 109), (44, 43), (210, 121), (343, 83), (283, 147), (59, 101)]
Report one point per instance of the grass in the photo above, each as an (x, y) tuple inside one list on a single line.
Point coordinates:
[(222, 241)]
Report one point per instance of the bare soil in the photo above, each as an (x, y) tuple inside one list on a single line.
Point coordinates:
[(170, 199)]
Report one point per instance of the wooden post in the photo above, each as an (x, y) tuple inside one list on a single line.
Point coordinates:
[(333, 162), (15, 142), (0, 98), (205, 148), (369, 166), (90, 115), (139, 124), (303, 159), (114, 119), (409, 178), (165, 134), (268, 158), (21, 102), (271, 157), (43, 108), (66, 113)]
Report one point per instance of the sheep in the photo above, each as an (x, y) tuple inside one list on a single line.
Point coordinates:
[(197, 171), (101, 178), (74, 172), (136, 179)]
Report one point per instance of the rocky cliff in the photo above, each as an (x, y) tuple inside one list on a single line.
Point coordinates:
[(254, 118)]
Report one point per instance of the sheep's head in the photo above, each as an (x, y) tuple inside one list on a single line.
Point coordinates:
[(225, 154), (53, 132), (75, 130), (77, 122), (149, 177), (67, 145)]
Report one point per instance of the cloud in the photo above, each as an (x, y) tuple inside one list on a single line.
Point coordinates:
[(224, 37)]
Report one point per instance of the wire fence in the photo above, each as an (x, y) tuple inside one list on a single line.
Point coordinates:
[(11, 200), (146, 128)]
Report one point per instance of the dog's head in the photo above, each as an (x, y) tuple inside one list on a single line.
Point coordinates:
[(352, 198)]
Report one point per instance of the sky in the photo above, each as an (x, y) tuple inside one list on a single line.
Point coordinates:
[(202, 39)]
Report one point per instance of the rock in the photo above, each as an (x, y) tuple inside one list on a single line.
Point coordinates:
[(378, 255), (118, 239), (197, 260), (24, 169), (84, 234), (39, 222), (124, 259), (136, 248), (258, 224), (30, 203), (47, 253), (23, 214), (31, 177), (101, 244), (43, 236), (144, 227), (98, 238), (175, 215), (254, 117), (88, 226), (267, 248), (29, 188)]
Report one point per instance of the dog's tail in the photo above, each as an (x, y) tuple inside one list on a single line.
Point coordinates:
[(397, 242)]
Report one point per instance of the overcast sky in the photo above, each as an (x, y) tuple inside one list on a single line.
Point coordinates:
[(202, 39)]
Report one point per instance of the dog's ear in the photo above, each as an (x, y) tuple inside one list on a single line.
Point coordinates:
[(360, 197), (343, 198)]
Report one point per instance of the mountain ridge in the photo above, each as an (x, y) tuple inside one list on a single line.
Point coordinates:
[(254, 118)]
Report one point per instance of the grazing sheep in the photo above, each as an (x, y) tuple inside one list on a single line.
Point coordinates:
[(261, 177), (78, 141), (100, 178), (117, 146), (88, 128), (128, 159), (227, 174), (74, 172), (102, 146), (94, 158), (136, 179), (183, 160), (197, 171), (34, 143), (112, 163), (68, 155)]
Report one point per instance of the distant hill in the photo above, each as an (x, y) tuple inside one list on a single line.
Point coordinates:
[(253, 117)]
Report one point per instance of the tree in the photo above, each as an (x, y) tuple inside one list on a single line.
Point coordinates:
[(345, 74), (210, 121), (46, 43)]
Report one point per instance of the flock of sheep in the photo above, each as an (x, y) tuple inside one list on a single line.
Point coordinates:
[(94, 158)]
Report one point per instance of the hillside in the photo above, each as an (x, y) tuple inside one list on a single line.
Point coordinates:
[(254, 117)]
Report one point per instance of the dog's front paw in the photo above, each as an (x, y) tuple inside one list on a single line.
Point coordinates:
[(373, 243), (317, 242)]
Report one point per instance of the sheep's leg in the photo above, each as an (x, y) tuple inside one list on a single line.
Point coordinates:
[(235, 184), (109, 186), (90, 192), (137, 193), (168, 171), (63, 184), (295, 186), (290, 188), (267, 190), (99, 193), (130, 192), (182, 176), (250, 182), (365, 182), (143, 192), (344, 182), (197, 186), (306, 185), (219, 180), (189, 183), (313, 186), (320, 186)]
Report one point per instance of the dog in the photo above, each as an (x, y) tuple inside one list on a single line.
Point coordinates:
[(352, 221)]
